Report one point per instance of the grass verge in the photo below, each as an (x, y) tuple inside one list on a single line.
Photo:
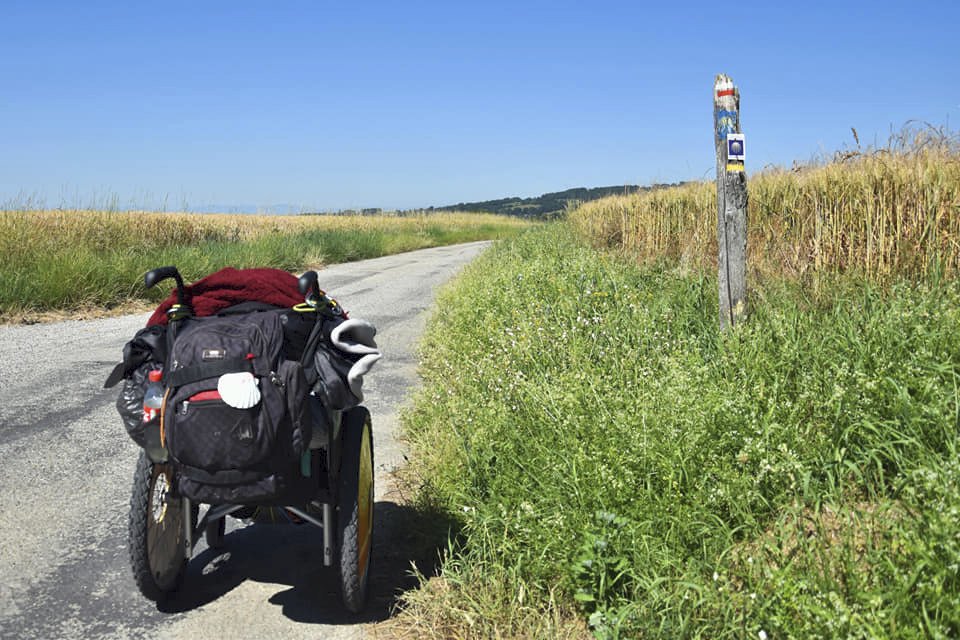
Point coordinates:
[(609, 455), (55, 260)]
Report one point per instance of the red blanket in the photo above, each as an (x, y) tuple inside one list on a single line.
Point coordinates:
[(230, 286)]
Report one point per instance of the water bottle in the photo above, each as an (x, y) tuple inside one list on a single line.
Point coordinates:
[(152, 401), (153, 396)]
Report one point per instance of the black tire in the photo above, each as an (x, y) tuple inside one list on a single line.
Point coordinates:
[(355, 508), (214, 531), (155, 531)]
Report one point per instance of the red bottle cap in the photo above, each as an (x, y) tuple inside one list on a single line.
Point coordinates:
[(155, 375)]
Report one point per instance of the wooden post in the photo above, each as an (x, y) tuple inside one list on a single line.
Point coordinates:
[(731, 202)]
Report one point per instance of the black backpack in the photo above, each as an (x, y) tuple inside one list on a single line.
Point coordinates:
[(226, 454)]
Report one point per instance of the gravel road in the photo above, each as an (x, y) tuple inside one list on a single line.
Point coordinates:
[(66, 466)]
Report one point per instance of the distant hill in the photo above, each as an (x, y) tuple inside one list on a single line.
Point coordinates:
[(549, 205)]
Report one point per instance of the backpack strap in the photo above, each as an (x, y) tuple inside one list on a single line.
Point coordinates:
[(334, 313)]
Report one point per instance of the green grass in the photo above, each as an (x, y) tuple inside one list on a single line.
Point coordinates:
[(606, 451), (80, 259)]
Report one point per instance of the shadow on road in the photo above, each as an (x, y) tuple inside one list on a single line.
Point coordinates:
[(285, 554)]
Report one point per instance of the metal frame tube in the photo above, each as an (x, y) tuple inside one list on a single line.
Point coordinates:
[(327, 534), (187, 526), (326, 524), (215, 512), (305, 516)]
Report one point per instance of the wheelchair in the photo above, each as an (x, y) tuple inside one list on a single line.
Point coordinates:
[(164, 526)]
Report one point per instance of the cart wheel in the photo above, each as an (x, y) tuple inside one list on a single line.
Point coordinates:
[(213, 534), (155, 531), (355, 508)]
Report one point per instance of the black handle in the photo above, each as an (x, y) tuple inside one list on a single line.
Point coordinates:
[(154, 277), (308, 283)]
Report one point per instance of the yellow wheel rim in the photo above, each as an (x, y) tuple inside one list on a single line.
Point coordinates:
[(365, 500)]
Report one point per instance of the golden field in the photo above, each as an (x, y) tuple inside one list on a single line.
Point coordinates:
[(26, 232), (65, 260), (893, 212)]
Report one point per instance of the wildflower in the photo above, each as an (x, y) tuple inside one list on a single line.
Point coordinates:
[(762, 634), (716, 576)]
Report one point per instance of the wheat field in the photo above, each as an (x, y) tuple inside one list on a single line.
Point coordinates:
[(70, 259), (892, 212)]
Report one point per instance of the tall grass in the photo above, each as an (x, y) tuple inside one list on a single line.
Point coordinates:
[(888, 213), (606, 450), (69, 259)]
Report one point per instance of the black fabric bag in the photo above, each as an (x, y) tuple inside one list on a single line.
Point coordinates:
[(229, 455), (327, 367), (147, 345), (226, 454)]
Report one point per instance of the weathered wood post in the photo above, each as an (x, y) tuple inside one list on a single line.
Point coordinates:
[(731, 202)]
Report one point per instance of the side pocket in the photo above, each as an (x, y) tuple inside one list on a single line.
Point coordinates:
[(211, 435)]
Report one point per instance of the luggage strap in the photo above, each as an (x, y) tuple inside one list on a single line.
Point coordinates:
[(223, 477), (196, 372)]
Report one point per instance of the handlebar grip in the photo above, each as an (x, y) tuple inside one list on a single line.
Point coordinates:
[(308, 282), (151, 278)]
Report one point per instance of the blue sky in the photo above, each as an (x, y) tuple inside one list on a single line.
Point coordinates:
[(409, 104)]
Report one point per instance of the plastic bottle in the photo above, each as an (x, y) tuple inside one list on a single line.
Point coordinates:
[(153, 396), (152, 401)]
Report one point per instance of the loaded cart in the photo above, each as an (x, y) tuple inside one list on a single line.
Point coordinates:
[(244, 394)]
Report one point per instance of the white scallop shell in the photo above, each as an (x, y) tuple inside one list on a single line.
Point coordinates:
[(239, 390)]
